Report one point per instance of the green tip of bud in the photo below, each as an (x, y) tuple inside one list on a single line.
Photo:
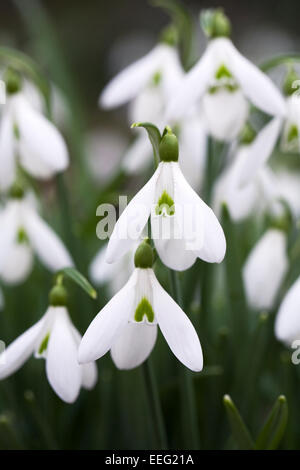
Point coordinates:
[(215, 23), (144, 257), (291, 82), (58, 296), (16, 191), (13, 81), (247, 135), (168, 147), (169, 35)]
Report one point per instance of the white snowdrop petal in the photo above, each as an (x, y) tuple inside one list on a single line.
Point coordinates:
[(40, 136), (9, 227), (7, 157), (287, 325), (265, 269), (211, 244), (260, 150), (138, 156), (33, 164), (256, 85), (18, 263), (63, 371), (47, 245), (226, 113), (132, 221), (108, 324), (193, 85), (20, 350), (128, 83), (134, 345), (89, 375), (177, 329)]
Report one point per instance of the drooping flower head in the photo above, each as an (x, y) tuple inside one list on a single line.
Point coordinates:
[(183, 226), (223, 82), (23, 234), (27, 138), (55, 339), (127, 325)]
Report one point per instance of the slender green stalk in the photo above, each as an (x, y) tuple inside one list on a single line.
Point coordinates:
[(153, 395), (191, 428)]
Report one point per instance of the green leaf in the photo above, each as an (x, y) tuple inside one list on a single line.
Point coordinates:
[(239, 429), (79, 279), (183, 21), (284, 59), (274, 427), (25, 65), (154, 136)]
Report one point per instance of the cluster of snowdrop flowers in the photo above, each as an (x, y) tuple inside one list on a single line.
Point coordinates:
[(148, 86), (55, 339)]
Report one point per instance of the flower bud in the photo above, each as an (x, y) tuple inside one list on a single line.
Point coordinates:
[(168, 147), (143, 257), (291, 82), (58, 296), (215, 23), (13, 81)]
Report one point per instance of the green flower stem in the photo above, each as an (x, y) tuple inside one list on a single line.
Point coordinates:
[(284, 59), (189, 415), (154, 399)]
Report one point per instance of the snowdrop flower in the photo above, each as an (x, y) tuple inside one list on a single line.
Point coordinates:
[(55, 339), (288, 126), (127, 325), (116, 274), (265, 269), (259, 191), (287, 326), (23, 234), (223, 82), (28, 138), (183, 226)]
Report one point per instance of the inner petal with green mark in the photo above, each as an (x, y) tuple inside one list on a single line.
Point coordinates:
[(44, 344), (156, 79), (22, 236), (165, 205), (223, 80), (144, 310), (293, 133)]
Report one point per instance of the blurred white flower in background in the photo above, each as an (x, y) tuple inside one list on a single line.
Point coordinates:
[(105, 148), (28, 138), (114, 274), (55, 339), (223, 82), (23, 234), (265, 269), (287, 324)]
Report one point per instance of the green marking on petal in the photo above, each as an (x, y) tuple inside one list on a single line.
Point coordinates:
[(156, 79), (165, 205), (144, 309), (22, 236), (223, 72), (16, 131), (44, 344), (293, 133)]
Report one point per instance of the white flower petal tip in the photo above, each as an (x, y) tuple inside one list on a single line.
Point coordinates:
[(287, 324), (134, 345), (40, 136), (107, 325), (265, 269), (177, 329)]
